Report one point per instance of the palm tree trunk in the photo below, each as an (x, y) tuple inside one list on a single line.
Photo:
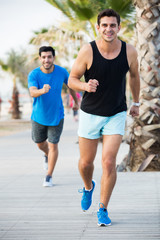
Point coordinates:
[(144, 136), (16, 114)]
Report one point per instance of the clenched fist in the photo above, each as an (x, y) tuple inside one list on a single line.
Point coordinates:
[(92, 85), (134, 111), (46, 88)]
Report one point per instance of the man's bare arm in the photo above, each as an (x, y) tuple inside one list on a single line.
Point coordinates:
[(134, 80), (78, 70), (35, 92)]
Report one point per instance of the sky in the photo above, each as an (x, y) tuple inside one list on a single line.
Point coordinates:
[(20, 18)]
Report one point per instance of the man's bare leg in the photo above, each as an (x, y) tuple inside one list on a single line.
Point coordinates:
[(50, 150), (52, 157), (111, 146), (88, 149), (43, 146)]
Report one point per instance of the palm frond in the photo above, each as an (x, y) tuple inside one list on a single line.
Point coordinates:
[(3, 65), (81, 11), (124, 7), (62, 6)]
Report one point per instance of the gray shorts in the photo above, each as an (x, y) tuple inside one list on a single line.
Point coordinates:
[(41, 133)]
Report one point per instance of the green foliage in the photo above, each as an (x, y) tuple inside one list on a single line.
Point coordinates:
[(81, 16), (87, 10), (82, 13), (124, 7), (43, 30), (64, 40), (62, 6), (18, 65), (3, 65), (15, 61)]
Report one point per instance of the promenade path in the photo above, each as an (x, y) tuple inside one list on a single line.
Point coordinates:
[(29, 211)]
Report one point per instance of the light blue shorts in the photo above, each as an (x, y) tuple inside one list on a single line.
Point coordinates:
[(93, 126)]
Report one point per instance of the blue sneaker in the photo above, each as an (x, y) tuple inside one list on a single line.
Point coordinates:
[(87, 197), (103, 219)]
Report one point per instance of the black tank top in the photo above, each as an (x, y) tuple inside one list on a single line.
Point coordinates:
[(109, 99)]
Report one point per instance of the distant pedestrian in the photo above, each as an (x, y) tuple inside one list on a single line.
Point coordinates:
[(45, 86), (67, 102), (75, 111)]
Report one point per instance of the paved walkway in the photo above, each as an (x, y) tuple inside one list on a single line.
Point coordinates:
[(30, 212)]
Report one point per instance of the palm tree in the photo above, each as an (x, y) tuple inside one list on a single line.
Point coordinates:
[(77, 11), (145, 131), (16, 66), (81, 16), (65, 41), (85, 11)]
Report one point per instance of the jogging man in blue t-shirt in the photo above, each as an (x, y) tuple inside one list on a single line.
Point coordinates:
[(45, 85)]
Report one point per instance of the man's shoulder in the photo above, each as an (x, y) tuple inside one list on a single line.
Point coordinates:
[(131, 54), (85, 52), (130, 48), (61, 69), (86, 47), (34, 71)]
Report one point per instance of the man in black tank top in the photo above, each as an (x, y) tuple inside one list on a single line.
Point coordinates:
[(104, 64)]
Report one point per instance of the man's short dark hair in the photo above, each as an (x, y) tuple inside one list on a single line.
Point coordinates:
[(46, 49), (108, 13)]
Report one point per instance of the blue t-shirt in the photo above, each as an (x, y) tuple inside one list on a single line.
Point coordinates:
[(48, 108)]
